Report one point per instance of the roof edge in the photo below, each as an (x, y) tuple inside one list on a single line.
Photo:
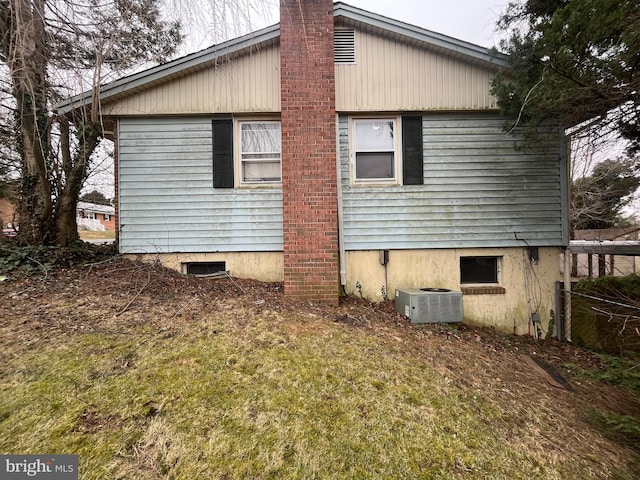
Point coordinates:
[(422, 34), (134, 80), (340, 9)]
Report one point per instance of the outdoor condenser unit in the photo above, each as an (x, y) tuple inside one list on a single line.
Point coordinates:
[(429, 305)]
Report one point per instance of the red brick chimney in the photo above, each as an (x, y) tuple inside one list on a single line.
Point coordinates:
[(309, 178)]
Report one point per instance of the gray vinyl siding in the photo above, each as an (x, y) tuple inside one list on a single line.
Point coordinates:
[(166, 197), (479, 190)]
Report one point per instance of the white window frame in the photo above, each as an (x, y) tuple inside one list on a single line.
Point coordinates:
[(240, 155), (396, 150)]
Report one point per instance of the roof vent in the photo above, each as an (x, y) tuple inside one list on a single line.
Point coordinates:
[(344, 45)]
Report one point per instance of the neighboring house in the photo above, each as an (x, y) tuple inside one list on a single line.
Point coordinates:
[(340, 148), (9, 208), (8, 215), (93, 216)]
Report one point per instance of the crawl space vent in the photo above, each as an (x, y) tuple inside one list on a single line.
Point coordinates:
[(203, 268)]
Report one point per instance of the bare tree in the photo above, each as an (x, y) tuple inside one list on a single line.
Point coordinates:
[(25, 50), (39, 39), (598, 199), (213, 21), (51, 49)]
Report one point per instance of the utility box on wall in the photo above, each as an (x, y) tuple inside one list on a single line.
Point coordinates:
[(430, 305)]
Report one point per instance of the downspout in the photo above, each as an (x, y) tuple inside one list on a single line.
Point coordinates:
[(342, 253), (567, 294), (568, 235)]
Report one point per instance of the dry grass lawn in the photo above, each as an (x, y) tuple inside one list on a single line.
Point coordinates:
[(147, 374)]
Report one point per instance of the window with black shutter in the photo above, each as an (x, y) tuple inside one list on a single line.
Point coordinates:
[(412, 154), (223, 153)]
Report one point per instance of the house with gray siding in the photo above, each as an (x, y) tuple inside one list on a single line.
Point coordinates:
[(341, 151)]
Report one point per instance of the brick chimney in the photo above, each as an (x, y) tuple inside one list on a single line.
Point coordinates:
[(309, 178)]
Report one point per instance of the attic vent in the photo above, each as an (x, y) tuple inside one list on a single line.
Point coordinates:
[(344, 45)]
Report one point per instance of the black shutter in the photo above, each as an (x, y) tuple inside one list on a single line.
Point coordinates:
[(223, 153), (412, 170)]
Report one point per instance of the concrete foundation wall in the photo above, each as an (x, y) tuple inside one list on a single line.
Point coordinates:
[(529, 287), (524, 286), (261, 266)]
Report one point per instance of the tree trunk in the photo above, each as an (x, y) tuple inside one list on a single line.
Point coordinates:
[(602, 265), (50, 180), (574, 265), (66, 223), (75, 171), (27, 61)]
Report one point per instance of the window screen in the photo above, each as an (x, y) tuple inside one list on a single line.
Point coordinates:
[(260, 152), (375, 149)]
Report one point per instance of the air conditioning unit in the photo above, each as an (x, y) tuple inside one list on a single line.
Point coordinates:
[(429, 305)]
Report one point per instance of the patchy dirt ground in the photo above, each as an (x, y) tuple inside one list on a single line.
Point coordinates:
[(110, 292), (119, 294)]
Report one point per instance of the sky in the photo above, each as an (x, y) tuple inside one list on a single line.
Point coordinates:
[(469, 20)]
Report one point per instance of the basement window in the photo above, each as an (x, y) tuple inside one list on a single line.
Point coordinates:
[(479, 270), (203, 268)]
